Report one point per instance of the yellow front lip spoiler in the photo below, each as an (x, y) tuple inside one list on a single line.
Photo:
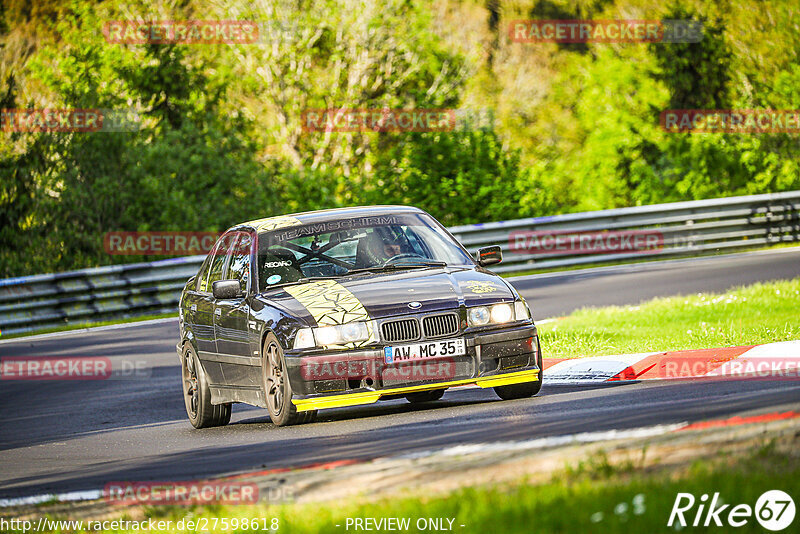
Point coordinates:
[(368, 397)]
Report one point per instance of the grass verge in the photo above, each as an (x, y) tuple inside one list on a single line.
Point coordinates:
[(593, 495), (750, 315)]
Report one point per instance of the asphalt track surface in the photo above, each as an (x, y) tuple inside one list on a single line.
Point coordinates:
[(79, 435)]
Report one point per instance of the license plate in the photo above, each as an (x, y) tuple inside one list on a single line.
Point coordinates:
[(416, 351)]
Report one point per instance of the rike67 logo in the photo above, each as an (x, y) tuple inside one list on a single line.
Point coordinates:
[(774, 510)]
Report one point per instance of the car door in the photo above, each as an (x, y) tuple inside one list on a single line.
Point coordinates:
[(205, 333), (231, 320), (193, 320)]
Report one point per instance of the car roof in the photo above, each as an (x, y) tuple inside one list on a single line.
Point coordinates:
[(335, 214)]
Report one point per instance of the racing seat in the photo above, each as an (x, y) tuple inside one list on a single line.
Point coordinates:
[(278, 262)]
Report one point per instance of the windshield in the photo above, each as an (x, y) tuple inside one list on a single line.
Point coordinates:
[(338, 248)]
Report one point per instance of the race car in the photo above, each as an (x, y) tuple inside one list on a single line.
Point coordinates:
[(345, 307)]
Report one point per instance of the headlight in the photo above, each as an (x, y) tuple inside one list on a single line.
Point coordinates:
[(304, 339), (326, 335), (521, 310), (332, 335), (498, 313), (478, 316), (502, 313), (354, 332)]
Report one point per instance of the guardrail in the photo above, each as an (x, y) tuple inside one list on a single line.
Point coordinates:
[(38, 302), (686, 228)]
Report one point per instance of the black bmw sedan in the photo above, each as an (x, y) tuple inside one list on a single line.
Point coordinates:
[(345, 307)]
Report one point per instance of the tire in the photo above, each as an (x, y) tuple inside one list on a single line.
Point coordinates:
[(526, 389), (197, 394), (425, 396), (277, 389)]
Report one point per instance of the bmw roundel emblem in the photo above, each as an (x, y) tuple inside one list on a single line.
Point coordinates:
[(414, 305)]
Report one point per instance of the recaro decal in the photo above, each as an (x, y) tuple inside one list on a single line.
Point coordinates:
[(273, 264)]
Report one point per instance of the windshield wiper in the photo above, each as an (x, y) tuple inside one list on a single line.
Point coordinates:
[(398, 266)]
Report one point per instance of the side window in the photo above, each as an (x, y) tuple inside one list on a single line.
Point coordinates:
[(218, 257), (239, 268), (202, 275), (277, 265)]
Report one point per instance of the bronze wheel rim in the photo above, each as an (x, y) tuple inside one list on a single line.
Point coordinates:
[(190, 385), (274, 381)]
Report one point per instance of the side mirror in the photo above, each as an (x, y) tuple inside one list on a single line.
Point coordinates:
[(227, 289), (489, 255)]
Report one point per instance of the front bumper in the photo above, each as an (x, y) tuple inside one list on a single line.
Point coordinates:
[(368, 397), (350, 378)]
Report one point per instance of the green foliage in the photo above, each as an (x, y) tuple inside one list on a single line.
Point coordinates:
[(615, 135), (221, 137), (464, 177), (187, 168), (697, 75)]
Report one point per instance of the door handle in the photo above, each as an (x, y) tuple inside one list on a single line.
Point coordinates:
[(193, 307), (218, 311)]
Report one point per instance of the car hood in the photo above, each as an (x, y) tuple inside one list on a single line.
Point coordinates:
[(386, 294)]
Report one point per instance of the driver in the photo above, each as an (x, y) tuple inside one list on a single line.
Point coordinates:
[(391, 249), (382, 249)]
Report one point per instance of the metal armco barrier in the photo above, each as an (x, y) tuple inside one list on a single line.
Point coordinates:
[(687, 228), (32, 303)]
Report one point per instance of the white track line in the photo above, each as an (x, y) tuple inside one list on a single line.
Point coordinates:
[(549, 442), (87, 330)]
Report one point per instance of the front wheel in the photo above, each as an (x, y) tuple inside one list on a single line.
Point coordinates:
[(526, 389), (518, 391), (197, 395), (277, 390), (425, 396)]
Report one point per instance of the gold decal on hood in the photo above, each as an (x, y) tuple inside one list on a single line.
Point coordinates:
[(481, 287), (330, 303)]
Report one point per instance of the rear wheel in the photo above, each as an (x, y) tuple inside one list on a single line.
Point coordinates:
[(527, 389), (197, 395), (425, 396), (277, 390)]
